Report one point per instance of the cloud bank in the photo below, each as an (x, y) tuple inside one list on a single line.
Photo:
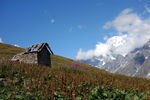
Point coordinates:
[(133, 32), (16, 45), (1, 41)]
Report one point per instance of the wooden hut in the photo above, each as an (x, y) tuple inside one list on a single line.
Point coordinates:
[(36, 54)]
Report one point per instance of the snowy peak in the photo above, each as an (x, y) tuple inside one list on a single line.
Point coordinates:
[(135, 63), (147, 45), (116, 41)]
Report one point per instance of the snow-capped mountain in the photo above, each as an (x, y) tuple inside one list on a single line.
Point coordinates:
[(135, 63)]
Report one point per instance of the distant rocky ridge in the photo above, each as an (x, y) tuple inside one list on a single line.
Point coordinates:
[(135, 63)]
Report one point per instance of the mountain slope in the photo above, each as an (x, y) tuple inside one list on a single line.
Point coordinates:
[(67, 79), (135, 63), (8, 51)]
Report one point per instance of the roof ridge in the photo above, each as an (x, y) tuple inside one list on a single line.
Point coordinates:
[(38, 48)]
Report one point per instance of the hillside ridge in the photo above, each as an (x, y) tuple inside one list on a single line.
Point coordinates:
[(66, 79)]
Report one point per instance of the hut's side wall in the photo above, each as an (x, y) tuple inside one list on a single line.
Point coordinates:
[(44, 57), (27, 58)]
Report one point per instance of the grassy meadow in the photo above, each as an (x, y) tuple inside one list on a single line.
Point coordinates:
[(65, 80)]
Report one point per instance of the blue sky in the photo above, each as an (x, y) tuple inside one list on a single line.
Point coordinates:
[(67, 25)]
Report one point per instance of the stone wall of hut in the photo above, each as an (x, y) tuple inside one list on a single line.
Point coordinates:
[(30, 58)]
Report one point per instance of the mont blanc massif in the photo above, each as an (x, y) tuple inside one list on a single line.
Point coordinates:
[(135, 63)]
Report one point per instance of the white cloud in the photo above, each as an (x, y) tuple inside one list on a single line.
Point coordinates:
[(82, 54), (16, 45), (1, 41), (52, 21), (77, 27), (147, 8), (70, 29), (133, 32), (80, 26)]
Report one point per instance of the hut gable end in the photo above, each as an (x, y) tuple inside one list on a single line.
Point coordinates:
[(44, 57)]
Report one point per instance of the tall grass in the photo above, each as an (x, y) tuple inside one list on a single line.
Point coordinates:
[(67, 79), (71, 81)]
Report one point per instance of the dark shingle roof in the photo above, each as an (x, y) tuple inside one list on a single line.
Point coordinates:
[(38, 48)]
